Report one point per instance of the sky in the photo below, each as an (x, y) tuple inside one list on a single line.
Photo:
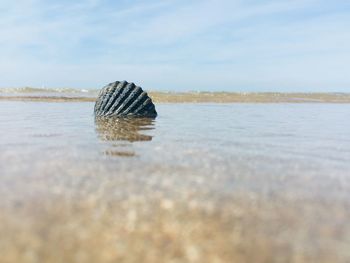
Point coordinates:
[(177, 45)]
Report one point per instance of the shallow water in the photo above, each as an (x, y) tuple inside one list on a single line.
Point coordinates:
[(201, 183)]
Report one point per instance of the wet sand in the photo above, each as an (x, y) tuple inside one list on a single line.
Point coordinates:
[(144, 225), (185, 97), (201, 183)]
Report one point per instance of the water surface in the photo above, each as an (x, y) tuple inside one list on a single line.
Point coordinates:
[(201, 183)]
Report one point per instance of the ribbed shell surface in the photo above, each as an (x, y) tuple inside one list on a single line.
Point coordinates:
[(123, 99)]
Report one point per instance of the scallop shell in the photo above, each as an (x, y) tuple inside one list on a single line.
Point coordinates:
[(123, 99)]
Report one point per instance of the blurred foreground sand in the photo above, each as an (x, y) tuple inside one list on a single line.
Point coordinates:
[(95, 216)]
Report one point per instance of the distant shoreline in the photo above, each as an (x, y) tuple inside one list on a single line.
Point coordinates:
[(186, 97)]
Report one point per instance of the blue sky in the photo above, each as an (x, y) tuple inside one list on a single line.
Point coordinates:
[(177, 45)]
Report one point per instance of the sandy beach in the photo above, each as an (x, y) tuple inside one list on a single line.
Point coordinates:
[(208, 182), (174, 131), (74, 95)]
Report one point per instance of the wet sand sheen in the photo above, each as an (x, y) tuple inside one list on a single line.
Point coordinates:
[(256, 183)]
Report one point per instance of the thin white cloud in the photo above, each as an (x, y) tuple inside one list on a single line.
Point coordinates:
[(177, 44)]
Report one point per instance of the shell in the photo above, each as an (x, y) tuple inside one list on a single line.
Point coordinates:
[(123, 99)]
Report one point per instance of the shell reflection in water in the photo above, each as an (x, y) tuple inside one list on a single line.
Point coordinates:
[(122, 132)]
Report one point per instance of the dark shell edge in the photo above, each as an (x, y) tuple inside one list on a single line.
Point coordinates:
[(123, 99)]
